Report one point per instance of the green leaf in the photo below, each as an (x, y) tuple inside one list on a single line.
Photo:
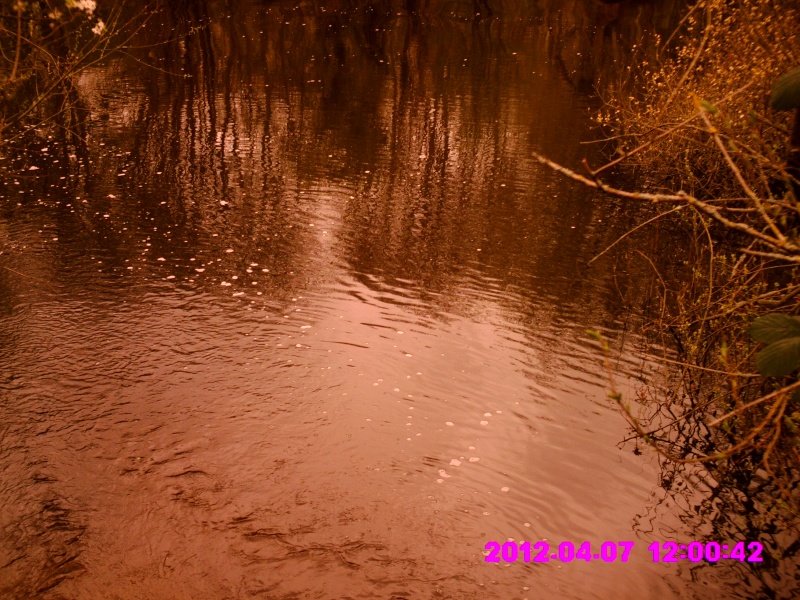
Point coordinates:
[(774, 327), (708, 107), (786, 91), (780, 358)]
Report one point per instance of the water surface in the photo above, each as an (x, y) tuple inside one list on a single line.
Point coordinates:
[(309, 323)]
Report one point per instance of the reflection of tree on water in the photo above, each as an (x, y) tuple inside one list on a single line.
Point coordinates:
[(255, 122), (593, 40), (733, 504)]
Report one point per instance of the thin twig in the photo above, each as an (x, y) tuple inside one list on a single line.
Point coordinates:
[(29, 277), (708, 369), (622, 237), (692, 65), (737, 173), (671, 130), (681, 197), (788, 388)]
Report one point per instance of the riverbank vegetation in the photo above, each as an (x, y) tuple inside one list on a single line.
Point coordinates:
[(44, 45), (704, 131)]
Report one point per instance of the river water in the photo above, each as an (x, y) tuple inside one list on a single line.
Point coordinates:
[(304, 318)]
